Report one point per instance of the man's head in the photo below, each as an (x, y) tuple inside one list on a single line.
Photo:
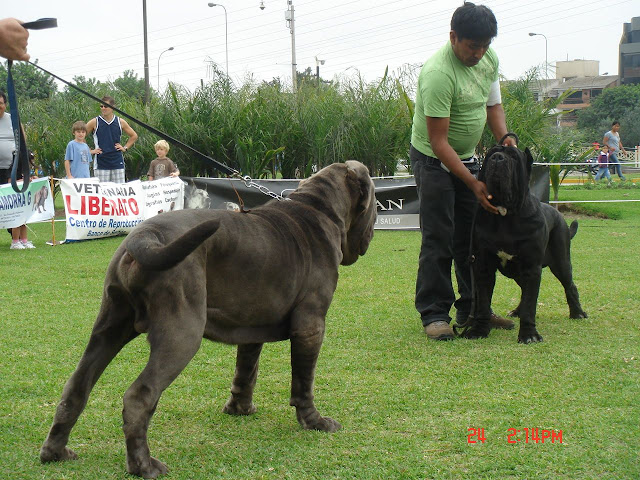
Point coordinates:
[(107, 103), (473, 27)]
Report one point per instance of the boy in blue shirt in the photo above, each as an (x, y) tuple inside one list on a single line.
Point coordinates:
[(78, 155)]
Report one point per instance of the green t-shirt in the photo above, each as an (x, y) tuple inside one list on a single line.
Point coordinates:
[(449, 89)]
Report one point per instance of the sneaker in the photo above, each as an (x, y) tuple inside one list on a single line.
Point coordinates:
[(499, 322), (27, 244), (17, 246), (439, 330)]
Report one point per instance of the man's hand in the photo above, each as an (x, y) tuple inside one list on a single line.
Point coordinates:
[(479, 189), (13, 40), (509, 142)]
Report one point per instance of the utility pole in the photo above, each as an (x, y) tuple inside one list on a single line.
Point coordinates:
[(146, 53), (291, 23)]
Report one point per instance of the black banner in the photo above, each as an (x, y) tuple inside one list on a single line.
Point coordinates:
[(396, 196)]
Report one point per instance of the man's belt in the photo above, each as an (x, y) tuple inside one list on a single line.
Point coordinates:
[(468, 162)]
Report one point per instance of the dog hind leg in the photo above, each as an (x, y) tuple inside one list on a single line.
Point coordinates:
[(112, 331), (174, 342), (565, 275), (244, 380)]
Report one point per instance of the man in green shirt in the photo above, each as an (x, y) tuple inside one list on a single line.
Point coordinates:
[(458, 92)]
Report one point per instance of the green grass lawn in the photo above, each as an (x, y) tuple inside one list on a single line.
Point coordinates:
[(405, 404)]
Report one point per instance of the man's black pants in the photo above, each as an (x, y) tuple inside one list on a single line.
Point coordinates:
[(447, 207)]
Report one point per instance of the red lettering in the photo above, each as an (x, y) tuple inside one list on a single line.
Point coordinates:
[(94, 205), (67, 199), (105, 206), (133, 205), (122, 207), (83, 205)]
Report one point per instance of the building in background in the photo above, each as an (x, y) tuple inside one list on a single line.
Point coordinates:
[(629, 61)]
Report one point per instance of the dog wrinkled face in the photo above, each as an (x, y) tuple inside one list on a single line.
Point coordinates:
[(506, 172), (360, 231)]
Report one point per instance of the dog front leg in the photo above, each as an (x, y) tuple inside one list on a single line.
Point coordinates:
[(484, 280), (304, 356), (244, 380), (530, 285)]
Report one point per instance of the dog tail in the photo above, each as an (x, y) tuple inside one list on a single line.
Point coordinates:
[(147, 249), (573, 228)]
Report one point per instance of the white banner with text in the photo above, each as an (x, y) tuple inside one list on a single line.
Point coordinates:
[(97, 210), (34, 205)]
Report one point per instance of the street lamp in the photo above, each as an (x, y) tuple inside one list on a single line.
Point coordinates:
[(546, 63), (167, 50), (291, 23), (226, 42), (318, 63)]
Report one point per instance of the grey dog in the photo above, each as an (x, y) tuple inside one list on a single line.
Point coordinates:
[(526, 237), (238, 278)]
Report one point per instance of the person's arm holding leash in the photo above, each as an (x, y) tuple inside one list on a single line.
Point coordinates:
[(438, 129), (13, 40)]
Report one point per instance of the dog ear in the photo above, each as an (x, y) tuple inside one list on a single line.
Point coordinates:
[(529, 157), (360, 227)]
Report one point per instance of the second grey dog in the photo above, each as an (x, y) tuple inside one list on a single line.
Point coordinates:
[(526, 237), (238, 278)]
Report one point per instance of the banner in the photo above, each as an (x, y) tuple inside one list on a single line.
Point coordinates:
[(95, 210), (397, 197), (34, 205)]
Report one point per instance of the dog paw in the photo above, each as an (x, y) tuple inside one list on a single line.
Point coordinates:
[(310, 419), (48, 454), (233, 407), (151, 469), (530, 338), (514, 313), (474, 333), (578, 314), (325, 424)]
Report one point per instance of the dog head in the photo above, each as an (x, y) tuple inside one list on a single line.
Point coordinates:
[(346, 193), (506, 172)]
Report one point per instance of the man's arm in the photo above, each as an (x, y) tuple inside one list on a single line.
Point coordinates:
[(438, 130), (498, 124), (133, 136), (91, 126)]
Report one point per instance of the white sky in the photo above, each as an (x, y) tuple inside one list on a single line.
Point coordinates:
[(368, 35)]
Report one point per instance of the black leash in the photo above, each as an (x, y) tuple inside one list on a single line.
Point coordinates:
[(217, 165), (21, 154)]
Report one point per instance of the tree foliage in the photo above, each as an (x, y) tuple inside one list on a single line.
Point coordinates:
[(28, 80), (613, 104)]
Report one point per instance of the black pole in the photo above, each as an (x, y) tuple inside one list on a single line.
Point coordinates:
[(318, 74)]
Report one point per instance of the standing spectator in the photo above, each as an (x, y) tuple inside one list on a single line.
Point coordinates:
[(603, 164), (7, 146), (162, 166), (107, 129), (458, 92), (78, 155), (13, 39), (612, 140)]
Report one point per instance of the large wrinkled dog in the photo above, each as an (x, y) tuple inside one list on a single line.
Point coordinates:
[(527, 236), (238, 278)]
